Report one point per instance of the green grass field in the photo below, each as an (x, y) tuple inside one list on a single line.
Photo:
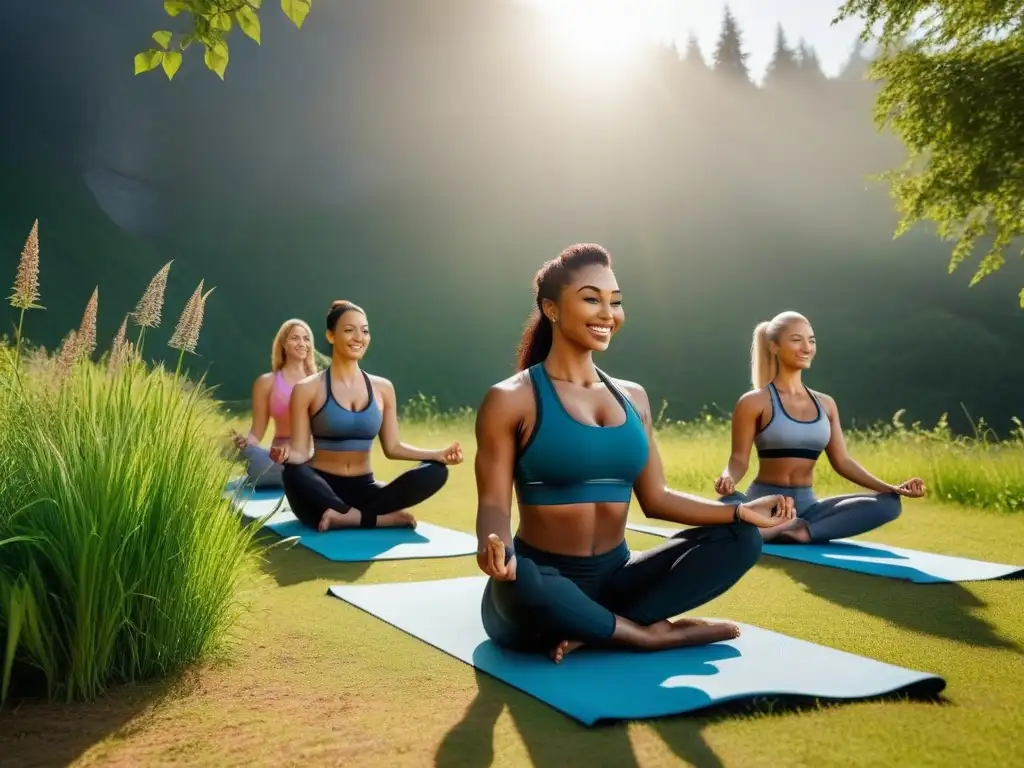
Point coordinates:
[(310, 680)]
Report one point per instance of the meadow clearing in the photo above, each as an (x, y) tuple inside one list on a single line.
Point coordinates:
[(144, 625)]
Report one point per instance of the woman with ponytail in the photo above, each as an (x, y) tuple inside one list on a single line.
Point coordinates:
[(575, 445), (791, 426)]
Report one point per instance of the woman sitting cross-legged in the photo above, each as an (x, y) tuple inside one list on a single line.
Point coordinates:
[(335, 418)]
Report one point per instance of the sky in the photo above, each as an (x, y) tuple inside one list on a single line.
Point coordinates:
[(667, 20)]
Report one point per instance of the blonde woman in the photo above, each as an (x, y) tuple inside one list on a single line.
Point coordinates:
[(791, 426), (292, 359)]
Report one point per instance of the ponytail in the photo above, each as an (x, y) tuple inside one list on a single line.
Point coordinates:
[(762, 361), (535, 342), (551, 278)]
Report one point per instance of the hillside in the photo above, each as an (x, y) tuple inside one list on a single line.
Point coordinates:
[(424, 163)]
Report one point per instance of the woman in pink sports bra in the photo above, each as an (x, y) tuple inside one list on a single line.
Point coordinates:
[(291, 360)]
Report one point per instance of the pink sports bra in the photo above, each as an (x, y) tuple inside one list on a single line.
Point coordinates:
[(280, 394)]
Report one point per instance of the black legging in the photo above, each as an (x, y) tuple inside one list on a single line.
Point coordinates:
[(311, 492), (556, 597)]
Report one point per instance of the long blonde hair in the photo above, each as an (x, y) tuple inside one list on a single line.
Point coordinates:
[(277, 354), (764, 364)]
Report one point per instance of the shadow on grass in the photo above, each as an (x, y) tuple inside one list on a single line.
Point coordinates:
[(289, 563), (941, 610), (556, 740), (35, 733)]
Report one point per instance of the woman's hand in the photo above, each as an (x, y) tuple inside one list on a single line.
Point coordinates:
[(280, 453), (239, 441), (912, 488), (491, 560), (450, 455), (725, 485), (768, 511)]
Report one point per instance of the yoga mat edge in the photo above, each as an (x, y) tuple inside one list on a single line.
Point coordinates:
[(632, 685), (876, 559)]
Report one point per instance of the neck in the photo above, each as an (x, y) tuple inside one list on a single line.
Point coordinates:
[(788, 380), (294, 367), (345, 369), (570, 363)]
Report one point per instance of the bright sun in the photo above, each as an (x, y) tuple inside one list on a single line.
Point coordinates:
[(598, 34)]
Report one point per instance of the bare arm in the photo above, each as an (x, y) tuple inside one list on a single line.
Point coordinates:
[(656, 499), (495, 457), (744, 425), (390, 439), (841, 461), (301, 444), (260, 408)]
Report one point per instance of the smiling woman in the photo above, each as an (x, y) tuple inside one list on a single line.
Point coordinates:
[(335, 419), (575, 445)]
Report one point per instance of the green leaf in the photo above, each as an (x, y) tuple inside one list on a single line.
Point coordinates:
[(172, 61), (147, 60), (249, 22), (174, 7), (216, 57), (220, 22), (255, 3), (186, 41), (296, 10), (163, 38)]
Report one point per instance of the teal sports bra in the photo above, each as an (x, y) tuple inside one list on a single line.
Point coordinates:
[(566, 462)]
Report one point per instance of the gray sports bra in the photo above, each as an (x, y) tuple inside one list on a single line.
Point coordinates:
[(785, 437)]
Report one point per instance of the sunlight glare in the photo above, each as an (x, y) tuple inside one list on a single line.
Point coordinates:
[(601, 35)]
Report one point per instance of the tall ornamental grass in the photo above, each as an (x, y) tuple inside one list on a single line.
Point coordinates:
[(119, 559)]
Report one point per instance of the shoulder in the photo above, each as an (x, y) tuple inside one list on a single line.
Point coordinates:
[(308, 385), (507, 398), (827, 401), (264, 382), (381, 384), (753, 402), (635, 392)]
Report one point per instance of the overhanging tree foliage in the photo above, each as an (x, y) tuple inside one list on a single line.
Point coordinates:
[(209, 24), (953, 92)]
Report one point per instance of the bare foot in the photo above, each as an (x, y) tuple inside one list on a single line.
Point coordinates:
[(686, 632), (563, 649), (333, 519), (793, 532), (398, 519)]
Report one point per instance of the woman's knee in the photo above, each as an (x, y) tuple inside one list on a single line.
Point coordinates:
[(435, 474), (748, 543), (891, 505)]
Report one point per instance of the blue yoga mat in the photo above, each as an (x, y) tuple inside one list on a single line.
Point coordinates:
[(355, 545), (592, 685), (877, 559)]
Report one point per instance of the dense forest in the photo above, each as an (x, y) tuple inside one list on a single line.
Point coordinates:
[(423, 157)]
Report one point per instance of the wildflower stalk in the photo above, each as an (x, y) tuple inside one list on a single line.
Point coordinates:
[(26, 285)]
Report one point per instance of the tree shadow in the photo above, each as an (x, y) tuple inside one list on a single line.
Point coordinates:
[(288, 563), (35, 733), (942, 610), (554, 739)]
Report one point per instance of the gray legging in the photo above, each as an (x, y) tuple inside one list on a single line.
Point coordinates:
[(837, 517), (260, 469)]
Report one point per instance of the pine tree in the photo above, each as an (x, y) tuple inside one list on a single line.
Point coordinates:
[(783, 68), (808, 65), (693, 58), (856, 67), (730, 60)]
